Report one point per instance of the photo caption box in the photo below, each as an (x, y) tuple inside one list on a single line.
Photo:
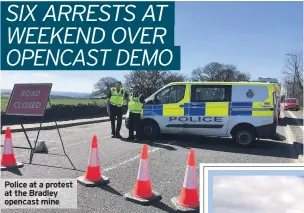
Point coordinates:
[(38, 193)]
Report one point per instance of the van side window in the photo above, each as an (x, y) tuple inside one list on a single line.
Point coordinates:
[(170, 95), (210, 93)]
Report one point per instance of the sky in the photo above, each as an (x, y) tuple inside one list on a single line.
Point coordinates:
[(256, 194), (254, 36)]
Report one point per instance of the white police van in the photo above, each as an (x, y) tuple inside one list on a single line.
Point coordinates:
[(244, 110)]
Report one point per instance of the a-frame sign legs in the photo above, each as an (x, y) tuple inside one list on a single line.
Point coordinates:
[(28, 140), (63, 145), (33, 150)]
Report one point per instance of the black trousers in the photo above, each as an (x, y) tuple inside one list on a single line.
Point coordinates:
[(115, 114), (134, 120)]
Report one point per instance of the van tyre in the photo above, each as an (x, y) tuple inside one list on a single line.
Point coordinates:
[(149, 130), (244, 136)]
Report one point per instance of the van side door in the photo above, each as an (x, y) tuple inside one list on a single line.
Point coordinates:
[(209, 109)]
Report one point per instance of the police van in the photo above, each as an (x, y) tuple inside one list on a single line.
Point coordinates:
[(244, 110)]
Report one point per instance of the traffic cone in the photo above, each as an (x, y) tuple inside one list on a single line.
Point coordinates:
[(188, 200), (93, 175), (8, 160), (142, 192)]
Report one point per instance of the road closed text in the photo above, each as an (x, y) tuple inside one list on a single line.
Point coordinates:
[(29, 99), (20, 104), (27, 105), (28, 93)]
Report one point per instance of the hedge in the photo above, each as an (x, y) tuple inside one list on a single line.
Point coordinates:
[(60, 112)]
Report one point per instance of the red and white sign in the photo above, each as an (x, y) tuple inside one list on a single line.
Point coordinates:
[(29, 99)]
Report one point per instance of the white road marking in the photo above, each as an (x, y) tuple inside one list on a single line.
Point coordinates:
[(73, 144), (118, 164), (132, 159), (295, 117), (46, 141), (289, 135)]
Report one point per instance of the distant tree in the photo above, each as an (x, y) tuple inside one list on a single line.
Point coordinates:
[(293, 70), (215, 71), (174, 77), (150, 81), (293, 76), (103, 86)]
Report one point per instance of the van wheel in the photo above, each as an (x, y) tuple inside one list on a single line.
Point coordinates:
[(149, 130), (244, 136)]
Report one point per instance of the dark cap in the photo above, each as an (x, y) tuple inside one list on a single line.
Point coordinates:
[(118, 82), (136, 86)]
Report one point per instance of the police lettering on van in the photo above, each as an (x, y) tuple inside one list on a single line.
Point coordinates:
[(196, 119)]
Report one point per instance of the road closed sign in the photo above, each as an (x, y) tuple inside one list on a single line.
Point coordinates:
[(29, 99)]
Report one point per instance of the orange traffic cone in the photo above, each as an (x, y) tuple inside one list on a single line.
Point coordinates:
[(8, 160), (142, 192), (188, 200), (93, 175)]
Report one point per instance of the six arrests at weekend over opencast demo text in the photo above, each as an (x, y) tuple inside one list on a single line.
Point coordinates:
[(113, 34)]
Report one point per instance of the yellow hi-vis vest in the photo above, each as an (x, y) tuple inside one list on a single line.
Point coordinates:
[(117, 98), (135, 106)]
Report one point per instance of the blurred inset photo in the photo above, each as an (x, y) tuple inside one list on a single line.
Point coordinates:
[(258, 194)]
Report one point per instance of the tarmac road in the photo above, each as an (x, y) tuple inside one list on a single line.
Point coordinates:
[(120, 160)]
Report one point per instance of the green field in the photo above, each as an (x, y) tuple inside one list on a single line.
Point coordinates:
[(4, 102)]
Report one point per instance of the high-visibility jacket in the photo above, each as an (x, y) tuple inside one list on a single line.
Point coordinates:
[(117, 98), (135, 106)]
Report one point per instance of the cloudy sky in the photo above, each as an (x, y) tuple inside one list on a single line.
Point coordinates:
[(258, 194)]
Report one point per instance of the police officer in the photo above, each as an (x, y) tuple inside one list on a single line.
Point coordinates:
[(115, 101), (135, 106)]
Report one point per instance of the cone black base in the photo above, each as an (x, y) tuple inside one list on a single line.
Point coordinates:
[(143, 201), (104, 181), (4, 168), (179, 208)]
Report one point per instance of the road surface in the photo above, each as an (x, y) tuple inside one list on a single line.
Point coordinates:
[(120, 160)]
